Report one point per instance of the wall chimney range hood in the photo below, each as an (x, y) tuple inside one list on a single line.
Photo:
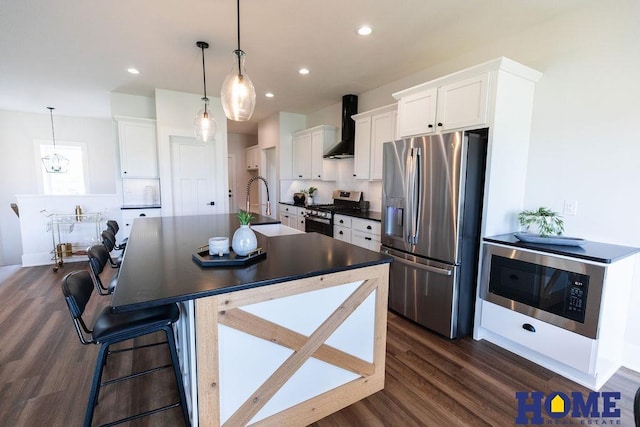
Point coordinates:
[(345, 148)]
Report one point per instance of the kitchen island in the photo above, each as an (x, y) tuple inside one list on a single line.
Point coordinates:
[(285, 340)]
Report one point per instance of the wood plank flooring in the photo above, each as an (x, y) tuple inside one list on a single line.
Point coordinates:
[(45, 372)]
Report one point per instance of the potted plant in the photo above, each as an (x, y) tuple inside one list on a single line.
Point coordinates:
[(309, 193), (545, 221), (244, 240)]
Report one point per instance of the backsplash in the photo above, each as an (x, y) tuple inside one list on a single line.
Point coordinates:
[(372, 190)]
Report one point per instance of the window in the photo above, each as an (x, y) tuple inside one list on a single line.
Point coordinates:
[(75, 180)]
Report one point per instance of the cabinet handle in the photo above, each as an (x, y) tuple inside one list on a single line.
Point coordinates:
[(439, 124), (299, 176), (368, 227), (430, 126), (528, 327), (354, 174), (367, 238), (318, 176), (143, 214), (124, 171), (340, 232), (341, 222)]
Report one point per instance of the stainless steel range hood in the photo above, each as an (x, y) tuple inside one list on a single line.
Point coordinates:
[(345, 148)]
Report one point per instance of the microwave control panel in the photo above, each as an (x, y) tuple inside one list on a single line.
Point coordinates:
[(576, 296)]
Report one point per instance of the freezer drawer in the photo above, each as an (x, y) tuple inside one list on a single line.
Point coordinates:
[(424, 291)]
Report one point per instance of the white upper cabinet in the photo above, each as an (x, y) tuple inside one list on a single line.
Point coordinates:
[(252, 157), (138, 154), (373, 129), (443, 105), (309, 146)]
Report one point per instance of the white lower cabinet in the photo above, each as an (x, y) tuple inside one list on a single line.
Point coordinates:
[(292, 216), (360, 232), (548, 340), (129, 215)]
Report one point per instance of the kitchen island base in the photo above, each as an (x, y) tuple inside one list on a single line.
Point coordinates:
[(286, 354)]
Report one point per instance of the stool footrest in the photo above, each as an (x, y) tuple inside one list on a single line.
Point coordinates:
[(141, 415)]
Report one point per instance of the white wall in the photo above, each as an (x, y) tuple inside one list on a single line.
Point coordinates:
[(585, 140), (18, 164)]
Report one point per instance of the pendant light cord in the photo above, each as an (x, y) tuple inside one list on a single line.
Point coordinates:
[(53, 133), (239, 51), (204, 75)]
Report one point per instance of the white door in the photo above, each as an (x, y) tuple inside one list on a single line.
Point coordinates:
[(232, 183), (193, 178)]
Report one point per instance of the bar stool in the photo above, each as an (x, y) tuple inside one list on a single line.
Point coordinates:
[(112, 225), (98, 258), (636, 408), (111, 328), (109, 242)]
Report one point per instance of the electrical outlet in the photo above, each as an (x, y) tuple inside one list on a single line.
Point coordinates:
[(571, 207)]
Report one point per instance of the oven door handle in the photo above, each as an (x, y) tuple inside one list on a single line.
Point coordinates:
[(428, 268)]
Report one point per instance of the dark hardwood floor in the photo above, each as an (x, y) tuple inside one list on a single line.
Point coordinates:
[(45, 372)]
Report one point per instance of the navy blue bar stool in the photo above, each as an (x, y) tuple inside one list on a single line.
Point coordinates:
[(111, 328), (112, 225), (109, 242)]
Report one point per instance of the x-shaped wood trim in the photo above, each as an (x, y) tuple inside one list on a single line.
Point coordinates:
[(301, 354)]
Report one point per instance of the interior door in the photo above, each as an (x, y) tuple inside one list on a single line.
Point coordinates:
[(193, 178), (232, 183)]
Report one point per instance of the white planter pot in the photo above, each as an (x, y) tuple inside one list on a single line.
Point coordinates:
[(244, 240)]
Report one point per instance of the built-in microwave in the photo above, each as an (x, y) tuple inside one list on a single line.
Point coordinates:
[(565, 292)]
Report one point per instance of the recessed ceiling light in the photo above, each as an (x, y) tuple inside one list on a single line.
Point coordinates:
[(365, 30), (303, 71), (133, 70), (269, 95)]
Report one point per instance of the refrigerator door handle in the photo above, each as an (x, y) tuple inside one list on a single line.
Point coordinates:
[(408, 224), (417, 194), (428, 268)]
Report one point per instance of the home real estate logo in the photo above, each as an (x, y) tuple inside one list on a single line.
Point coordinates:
[(557, 408)]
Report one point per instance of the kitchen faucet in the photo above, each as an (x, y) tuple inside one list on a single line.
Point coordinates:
[(266, 184)]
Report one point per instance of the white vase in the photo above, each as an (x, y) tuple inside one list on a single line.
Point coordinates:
[(244, 240)]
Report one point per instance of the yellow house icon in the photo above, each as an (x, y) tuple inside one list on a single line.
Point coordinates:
[(557, 404)]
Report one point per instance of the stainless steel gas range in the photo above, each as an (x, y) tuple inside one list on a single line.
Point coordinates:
[(319, 218)]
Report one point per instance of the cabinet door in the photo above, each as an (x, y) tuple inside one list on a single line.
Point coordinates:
[(342, 233), (129, 215), (317, 150), (464, 103), (417, 113), (382, 130), (251, 155), (362, 149), (138, 155), (302, 156)]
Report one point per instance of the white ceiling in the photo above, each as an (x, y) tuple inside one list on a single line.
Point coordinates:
[(71, 54)]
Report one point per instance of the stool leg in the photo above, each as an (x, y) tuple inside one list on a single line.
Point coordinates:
[(95, 385), (178, 373)]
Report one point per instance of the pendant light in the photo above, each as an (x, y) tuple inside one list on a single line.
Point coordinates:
[(238, 94), (204, 124), (55, 163)]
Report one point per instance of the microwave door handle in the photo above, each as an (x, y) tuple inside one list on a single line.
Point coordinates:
[(417, 196), (428, 268)]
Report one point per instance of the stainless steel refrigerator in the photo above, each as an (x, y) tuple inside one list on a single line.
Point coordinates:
[(432, 195)]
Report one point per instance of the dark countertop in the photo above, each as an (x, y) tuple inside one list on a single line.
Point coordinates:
[(158, 268), (370, 215), (125, 207), (593, 251)]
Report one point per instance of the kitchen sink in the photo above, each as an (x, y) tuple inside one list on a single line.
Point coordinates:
[(271, 230)]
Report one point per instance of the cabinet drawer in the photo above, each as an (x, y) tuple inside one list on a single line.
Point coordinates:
[(342, 233), (365, 240), (291, 210), (556, 343), (366, 226), (299, 210), (342, 220)]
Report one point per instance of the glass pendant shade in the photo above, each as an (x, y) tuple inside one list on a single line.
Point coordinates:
[(204, 125), (55, 163), (238, 95)]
